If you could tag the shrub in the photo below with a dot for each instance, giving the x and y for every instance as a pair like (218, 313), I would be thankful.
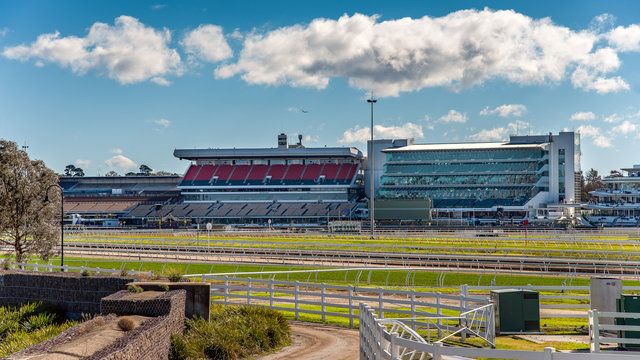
(86, 272)
(174, 274)
(178, 349)
(6, 265)
(164, 287)
(234, 332)
(135, 289)
(126, 324)
(124, 272)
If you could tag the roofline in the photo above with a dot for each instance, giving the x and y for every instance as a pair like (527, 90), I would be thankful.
(261, 153)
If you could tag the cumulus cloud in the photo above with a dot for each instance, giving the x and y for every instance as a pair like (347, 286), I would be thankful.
(613, 118)
(162, 122)
(4, 31)
(461, 49)
(596, 136)
(207, 43)
(582, 116)
(625, 38)
(116, 151)
(625, 128)
(120, 162)
(363, 134)
(499, 133)
(505, 110)
(128, 51)
(454, 116)
(82, 163)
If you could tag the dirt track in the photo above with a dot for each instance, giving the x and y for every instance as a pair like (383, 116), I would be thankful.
(318, 342)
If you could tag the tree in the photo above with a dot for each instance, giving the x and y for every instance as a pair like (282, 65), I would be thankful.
(71, 170)
(593, 182)
(615, 174)
(145, 170)
(30, 226)
(111, 173)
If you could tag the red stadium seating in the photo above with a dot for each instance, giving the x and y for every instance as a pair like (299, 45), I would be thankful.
(204, 175)
(330, 171)
(276, 172)
(311, 173)
(239, 174)
(257, 174)
(293, 174)
(190, 175)
(223, 173)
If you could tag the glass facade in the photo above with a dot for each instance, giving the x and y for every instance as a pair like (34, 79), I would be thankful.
(466, 178)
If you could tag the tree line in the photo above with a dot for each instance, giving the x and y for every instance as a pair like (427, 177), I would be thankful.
(144, 170)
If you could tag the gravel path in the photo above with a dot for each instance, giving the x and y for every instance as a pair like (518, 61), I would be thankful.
(318, 342)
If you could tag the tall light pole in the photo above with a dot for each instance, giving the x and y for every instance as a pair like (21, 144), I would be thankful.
(371, 171)
(46, 201)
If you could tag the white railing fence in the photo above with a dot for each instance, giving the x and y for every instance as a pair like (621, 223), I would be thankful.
(66, 268)
(442, 313)
(378, 342)
(596, 338)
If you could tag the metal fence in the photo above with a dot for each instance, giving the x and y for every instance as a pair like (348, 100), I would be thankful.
(380, 341)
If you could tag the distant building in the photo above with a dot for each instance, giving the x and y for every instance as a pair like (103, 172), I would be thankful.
(619, 203)
(525, 176)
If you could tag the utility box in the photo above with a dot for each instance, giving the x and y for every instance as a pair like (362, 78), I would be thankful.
(516, 311)
(628, 304)
(603, 293)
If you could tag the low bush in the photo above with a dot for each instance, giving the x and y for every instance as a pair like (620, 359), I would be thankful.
(232, 333)
(163, 287)
(86, 272)
(126, 324)
(174, 274)
(135, 289)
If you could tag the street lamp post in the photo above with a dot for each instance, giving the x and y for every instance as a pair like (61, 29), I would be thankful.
(371, 171)
(46, 201)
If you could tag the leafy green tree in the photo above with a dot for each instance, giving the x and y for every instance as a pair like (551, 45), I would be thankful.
(615, 173)
(30, 227)
(593, 182)
(111, 173)
(69, 169)
(145, 170)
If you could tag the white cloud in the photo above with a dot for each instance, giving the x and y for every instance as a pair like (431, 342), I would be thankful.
(116, 151)
(461, 49)
(158, 6)
(128, 51)
(207, 43)
(162, 122)
(613, 118)
(82, 163)
(500, 133)
(120, 162)
(582, 116)
(160, 81)
(505, 110)
(358, 134)
(311, 139)
(4, 31)
(625, 128)
(625, 38)
(595, 135)
(454, 116)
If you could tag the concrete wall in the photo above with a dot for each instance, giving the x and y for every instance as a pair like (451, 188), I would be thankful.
(75, 293)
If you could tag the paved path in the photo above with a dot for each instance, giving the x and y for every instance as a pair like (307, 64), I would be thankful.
(318, 342)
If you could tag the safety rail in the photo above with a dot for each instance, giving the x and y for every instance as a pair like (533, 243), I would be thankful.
(341, 301)
(377, 342)
(596, 339)
(66, 268)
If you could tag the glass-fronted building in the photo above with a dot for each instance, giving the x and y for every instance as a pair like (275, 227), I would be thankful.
(521, 176)
(618, 204)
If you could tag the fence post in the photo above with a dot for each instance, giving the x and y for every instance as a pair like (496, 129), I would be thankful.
(380, 303)
(548, 353)
(464, 291)
(271, 293)
(351, 305)
(439, 312)
(249, 291)
(322, 306)
(437, 351)
(594, 331)
(226, 290)
(413, 309)
(393, 349)
(297, 306)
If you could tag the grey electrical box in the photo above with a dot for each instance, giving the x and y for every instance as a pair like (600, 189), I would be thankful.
(603, 293)
(516, 311)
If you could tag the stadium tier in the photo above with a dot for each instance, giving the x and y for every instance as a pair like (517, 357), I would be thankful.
(284, 174)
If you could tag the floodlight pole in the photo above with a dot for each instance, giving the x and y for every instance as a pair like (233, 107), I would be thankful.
(371, 171)
(46, 201)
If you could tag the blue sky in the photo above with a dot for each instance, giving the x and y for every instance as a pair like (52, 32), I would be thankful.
(111, 85)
